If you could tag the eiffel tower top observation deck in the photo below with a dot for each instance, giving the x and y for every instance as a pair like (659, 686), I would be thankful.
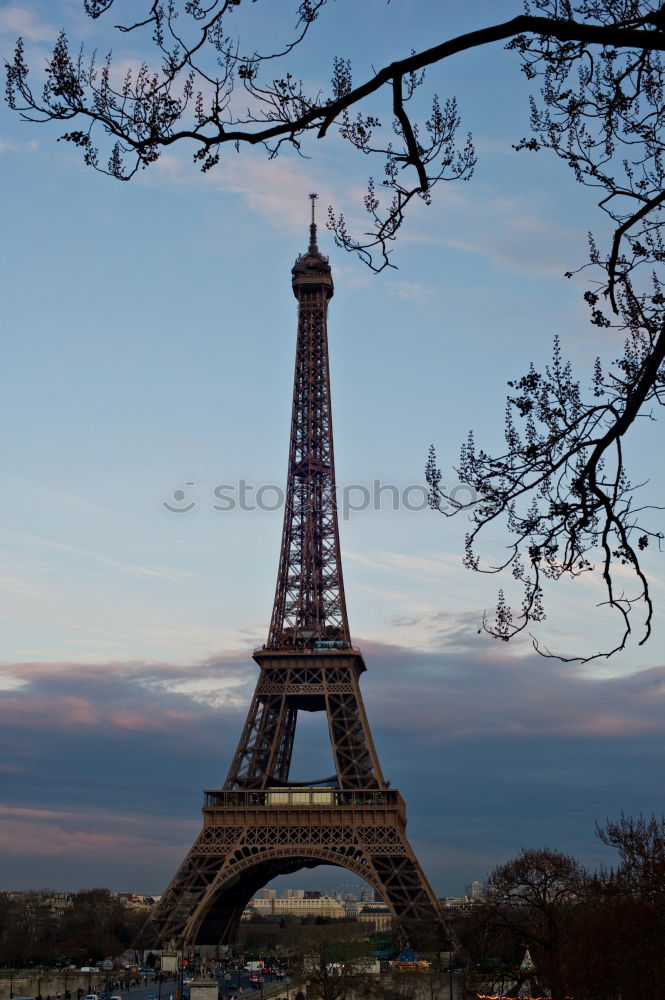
(310, 610)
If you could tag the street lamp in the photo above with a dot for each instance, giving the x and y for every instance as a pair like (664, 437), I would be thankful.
(107, 967)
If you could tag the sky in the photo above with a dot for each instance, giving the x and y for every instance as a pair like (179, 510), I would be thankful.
(148, 332)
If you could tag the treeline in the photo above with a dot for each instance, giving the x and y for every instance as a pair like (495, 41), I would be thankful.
(94, 926)
(591, 936)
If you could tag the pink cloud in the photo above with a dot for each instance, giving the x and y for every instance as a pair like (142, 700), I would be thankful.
(19, 838)
(464, 694)
(49, 833)
(65, 711)
(31, 813)
(134, 721)
(613, 725)
(154, 719)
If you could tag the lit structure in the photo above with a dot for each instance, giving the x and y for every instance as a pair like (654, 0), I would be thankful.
(526, 986)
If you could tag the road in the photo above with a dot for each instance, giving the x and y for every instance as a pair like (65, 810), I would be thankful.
(239, 979)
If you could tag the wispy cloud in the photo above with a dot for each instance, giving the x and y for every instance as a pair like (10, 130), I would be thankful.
(21, 21)
(412, 291)
(11, 146)
(274, 189)
(19, 539)
(11, 683)
(516, 233)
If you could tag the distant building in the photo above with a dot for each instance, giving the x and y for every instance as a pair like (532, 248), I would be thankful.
(297, 906)
(474, 890)
(376, 916)
(134, 901)
(454, 902)
(58, 902)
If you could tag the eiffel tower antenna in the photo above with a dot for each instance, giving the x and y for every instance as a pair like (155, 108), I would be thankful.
(261, 823)
(313, 248)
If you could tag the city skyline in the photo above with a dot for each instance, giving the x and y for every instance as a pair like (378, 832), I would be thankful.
(151, 330)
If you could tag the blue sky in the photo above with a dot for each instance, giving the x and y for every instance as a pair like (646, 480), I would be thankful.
(149, 332)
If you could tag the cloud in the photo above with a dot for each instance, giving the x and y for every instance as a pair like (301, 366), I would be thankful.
(481, 740)
(20, 21)
(516, 233)
(10, 146)
(412, 291)
(410, 566)
(274, 189)
(521, 695)
(18, 539)
(50, 833)
(10, 683)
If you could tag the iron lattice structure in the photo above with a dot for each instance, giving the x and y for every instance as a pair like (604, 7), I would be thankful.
(261, 824)
(309, 604)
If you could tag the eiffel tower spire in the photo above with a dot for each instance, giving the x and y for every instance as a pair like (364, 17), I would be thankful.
(309, 607)
(261, 823)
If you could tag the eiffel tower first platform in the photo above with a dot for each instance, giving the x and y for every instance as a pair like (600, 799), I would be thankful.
(260, 824)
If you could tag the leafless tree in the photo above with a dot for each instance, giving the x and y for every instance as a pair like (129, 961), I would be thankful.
(532, 900)
(545, 899)
(335, 966)
(640, 842)
(560, 488)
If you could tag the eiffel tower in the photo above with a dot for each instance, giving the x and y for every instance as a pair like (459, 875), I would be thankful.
(261, 824)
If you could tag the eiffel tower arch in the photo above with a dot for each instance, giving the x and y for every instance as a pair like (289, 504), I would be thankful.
(261, 824)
